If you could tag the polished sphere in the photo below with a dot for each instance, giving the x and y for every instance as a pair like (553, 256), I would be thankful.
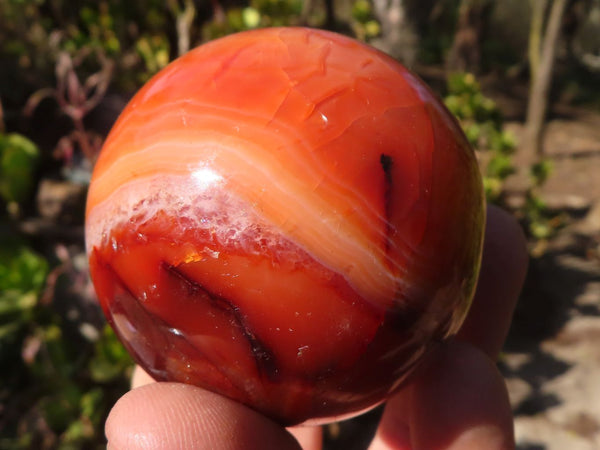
(289, 218)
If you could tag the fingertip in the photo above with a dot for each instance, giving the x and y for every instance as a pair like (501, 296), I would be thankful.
(309, 437)
(140, 378)
(172, 415)
(503, 270)
(459, 402)
(462, 403)
(506, 235)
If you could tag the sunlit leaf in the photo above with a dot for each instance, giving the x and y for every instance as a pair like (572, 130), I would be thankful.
(18, 161)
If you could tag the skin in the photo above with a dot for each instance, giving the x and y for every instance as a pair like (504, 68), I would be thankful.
(457, 400)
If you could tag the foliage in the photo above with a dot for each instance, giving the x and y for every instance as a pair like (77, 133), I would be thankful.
(482, 123)
(540, 223)
(18, 160)
(269, 13)
(133, 35)
(364, 24)
(256, 14)
(66, 380)
(62, 379)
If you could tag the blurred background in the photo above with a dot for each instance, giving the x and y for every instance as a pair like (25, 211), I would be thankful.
(523, 78)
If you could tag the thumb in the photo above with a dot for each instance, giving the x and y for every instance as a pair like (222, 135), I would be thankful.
(179, 416)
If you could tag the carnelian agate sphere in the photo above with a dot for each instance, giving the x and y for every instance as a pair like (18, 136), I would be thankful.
(287, 217)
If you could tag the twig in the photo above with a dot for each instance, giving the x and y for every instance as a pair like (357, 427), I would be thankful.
(76, 99)
(184, 18)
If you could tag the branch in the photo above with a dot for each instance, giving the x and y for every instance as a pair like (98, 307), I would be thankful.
(184, 19)
(591, 62)
(540, 84)
(36, 98)
(538, 12)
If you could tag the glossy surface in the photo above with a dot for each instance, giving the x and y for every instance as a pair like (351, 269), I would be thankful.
(287, 217)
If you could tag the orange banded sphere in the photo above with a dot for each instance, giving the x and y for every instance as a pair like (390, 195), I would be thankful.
(287, 217)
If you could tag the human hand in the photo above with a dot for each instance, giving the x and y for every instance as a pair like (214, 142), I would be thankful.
(457, 400)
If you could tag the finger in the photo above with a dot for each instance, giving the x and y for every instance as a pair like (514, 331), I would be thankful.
(309, 438)
(502, 274)
(178, 416)
(140, 378)
(458, 403)
(503, 270)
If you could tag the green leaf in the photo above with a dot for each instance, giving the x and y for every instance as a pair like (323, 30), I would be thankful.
(362, 11)
(18, 161)
(502, 142)
(453, 104)
(473, 132)
(154, 50)
(235, 19)
(62, 408)
(8, 329)
(21, 269)
(251, 17)
(540, 230)
(13, 301)
(91, 402)
(500, 166)
(535, 204)
(372, 28)
(493, 188)
(541, 171)
(110, 360)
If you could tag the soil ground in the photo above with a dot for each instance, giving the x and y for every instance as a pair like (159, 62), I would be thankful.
(552, 357)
